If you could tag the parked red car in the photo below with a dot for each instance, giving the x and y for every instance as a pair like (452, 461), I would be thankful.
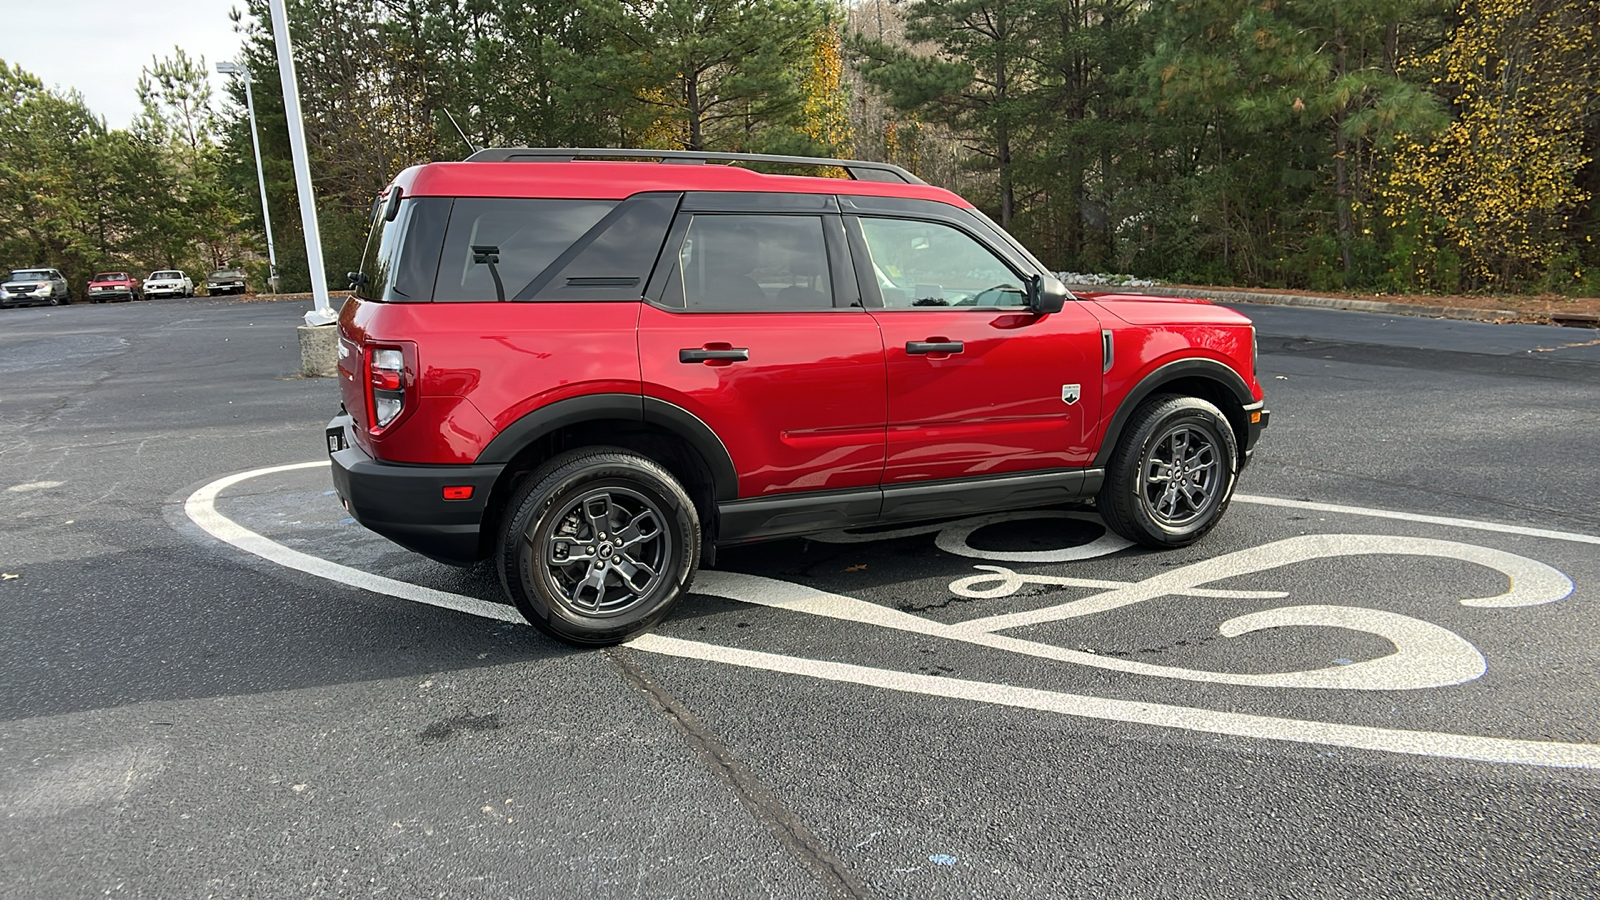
(113, 286)
(595, 372)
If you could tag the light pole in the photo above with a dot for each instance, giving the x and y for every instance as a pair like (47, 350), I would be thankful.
(323, 313)
(229, 68)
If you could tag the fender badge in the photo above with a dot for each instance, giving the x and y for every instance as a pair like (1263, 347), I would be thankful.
(1069, 393)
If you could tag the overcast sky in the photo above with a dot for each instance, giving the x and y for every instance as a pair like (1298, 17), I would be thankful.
(100, 46)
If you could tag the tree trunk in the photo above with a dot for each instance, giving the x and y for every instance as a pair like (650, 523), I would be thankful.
(691, 103)
(1341, 175)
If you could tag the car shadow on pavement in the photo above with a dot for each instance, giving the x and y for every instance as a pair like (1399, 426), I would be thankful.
(152, 625)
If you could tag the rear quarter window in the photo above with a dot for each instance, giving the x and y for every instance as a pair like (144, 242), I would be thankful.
(495, 248)
(402, 255)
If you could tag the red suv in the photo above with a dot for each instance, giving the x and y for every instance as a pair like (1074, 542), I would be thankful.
(595, 370)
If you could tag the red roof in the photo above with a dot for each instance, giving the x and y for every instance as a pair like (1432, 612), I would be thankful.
(599, 180)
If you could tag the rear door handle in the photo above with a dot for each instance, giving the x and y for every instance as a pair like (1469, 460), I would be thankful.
(921, 347)
(701, 355)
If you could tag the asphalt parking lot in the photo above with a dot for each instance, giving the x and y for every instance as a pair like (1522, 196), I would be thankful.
(1378, 675)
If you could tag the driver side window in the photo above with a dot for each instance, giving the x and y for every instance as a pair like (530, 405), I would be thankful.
(929, 264)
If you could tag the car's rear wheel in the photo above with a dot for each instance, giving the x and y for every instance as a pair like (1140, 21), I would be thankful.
(1171, 475)
(598, 546)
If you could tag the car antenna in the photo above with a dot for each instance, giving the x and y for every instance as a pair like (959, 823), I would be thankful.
(470, 145)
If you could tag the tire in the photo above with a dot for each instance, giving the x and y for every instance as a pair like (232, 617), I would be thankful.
(1142, 500)
(580, 507)
(54, 300)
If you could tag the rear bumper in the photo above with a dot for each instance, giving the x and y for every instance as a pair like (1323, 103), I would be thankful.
(406, 504)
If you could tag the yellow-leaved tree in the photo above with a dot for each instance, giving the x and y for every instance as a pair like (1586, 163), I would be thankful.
(826, 104)
(1486, 201)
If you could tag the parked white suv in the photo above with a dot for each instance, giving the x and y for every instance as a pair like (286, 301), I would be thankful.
(168, 283)
(30, 286)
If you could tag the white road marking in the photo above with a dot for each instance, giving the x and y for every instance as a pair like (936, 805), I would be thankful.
(1472, 524)
(1532, 582)
(201, 509)
(33, 486)
(1362, 737)
(1425, 655)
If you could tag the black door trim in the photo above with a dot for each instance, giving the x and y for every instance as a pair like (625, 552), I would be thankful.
(796, 514)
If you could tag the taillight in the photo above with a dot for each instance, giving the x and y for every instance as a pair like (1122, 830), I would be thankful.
(386, 386)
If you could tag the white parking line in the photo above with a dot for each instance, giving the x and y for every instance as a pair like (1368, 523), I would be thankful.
(1418, 517)
(201, 509)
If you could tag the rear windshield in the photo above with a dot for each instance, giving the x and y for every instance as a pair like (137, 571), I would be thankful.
(30, 275)
(496, 247)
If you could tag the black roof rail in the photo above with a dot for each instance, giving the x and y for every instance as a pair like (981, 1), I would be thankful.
(857, 169)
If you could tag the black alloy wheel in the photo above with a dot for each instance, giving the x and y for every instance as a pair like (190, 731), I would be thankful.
(598, 546)
(1172, 474)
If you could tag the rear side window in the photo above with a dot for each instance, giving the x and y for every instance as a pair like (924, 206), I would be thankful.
(496, 247)
(739, 262)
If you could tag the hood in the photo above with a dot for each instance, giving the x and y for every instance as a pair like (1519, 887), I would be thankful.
(1109, 297)
(1138, 309)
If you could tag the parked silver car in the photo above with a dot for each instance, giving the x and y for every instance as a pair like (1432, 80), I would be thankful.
(31, 286)
(168, 283)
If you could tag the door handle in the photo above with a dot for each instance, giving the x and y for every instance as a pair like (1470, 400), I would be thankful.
(705, 355)
(921, 347)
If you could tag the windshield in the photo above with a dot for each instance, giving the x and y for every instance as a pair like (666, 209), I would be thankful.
(30, 275)
(227, 273)
(155, 275)
(112, 276)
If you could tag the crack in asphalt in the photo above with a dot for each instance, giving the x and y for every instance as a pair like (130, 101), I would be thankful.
(765, 807)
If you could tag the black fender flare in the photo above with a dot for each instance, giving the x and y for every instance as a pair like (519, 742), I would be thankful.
(1207, 369)
(631, 407)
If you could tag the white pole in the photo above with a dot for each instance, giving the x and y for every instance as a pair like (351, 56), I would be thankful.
(323, 314)
(261, 180)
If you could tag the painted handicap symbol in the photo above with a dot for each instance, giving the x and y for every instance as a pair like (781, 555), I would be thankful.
(1425, 655)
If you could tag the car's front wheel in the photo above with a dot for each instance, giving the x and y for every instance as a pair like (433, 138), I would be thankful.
(1171, 475)
(598, 545)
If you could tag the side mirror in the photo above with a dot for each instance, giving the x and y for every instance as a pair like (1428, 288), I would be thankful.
(357, 279)
(391, 207)
(1046, 294)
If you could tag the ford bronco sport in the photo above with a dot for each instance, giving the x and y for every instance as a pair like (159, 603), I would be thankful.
(595, 369)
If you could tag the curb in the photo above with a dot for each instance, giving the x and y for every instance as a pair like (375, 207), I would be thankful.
(1304, 300)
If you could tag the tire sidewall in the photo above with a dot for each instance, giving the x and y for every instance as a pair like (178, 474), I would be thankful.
(548, 493)
(1165, 414)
